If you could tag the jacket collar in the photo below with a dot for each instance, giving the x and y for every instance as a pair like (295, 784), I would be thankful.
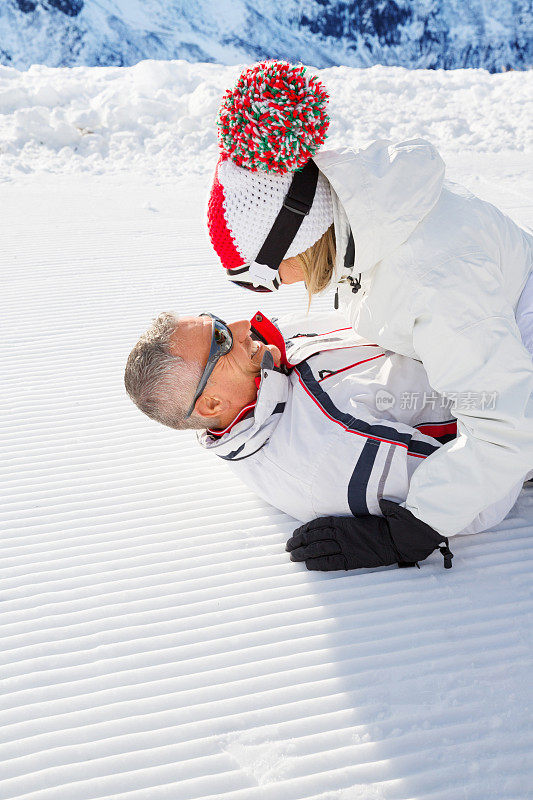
(255, 423)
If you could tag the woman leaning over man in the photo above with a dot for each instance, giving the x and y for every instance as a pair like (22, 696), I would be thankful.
(420, 266)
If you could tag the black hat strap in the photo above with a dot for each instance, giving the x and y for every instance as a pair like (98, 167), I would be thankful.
(295, 208)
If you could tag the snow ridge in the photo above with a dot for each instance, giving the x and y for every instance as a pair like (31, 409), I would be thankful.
(160, 116)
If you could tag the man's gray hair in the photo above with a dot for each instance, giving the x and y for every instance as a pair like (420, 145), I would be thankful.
(162, 385)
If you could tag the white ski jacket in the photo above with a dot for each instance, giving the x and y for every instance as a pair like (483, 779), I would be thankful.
(349, 424)
(441, 274)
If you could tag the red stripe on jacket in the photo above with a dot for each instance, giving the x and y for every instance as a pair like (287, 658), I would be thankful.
(437, 429)
(349, 430)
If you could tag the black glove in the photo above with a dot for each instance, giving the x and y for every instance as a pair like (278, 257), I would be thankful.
(330, 543)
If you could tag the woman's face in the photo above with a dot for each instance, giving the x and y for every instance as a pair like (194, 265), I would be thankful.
(290, 270)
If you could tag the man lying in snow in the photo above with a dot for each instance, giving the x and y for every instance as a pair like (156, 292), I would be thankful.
(315, 419)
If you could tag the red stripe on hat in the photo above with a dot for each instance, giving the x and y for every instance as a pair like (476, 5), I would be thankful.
(219, 232)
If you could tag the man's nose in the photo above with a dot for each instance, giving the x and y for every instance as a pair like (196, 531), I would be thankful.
(240, 329)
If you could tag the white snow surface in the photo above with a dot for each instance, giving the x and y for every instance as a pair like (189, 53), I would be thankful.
(156, 641)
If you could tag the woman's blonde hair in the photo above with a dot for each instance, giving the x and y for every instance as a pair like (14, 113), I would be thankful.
(318, 262)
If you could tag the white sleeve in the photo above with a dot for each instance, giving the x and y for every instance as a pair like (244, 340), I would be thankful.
(483, 364)
(495, 513)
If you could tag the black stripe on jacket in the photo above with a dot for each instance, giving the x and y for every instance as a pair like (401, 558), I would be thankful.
(387, 432)
(362, 472)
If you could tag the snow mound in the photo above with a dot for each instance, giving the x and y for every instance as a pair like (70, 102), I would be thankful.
(160, 116)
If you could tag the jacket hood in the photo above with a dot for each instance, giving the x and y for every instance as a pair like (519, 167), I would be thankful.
(385, 190)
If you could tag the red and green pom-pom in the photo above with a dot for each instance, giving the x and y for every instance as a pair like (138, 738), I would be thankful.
(274, 119)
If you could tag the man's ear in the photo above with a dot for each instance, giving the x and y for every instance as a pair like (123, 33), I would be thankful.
(210, 406)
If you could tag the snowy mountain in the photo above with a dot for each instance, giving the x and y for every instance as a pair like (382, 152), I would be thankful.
(412, 33)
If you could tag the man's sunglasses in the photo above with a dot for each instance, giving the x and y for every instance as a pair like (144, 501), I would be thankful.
(221, 343)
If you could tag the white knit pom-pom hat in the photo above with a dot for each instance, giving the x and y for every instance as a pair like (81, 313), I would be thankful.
(270, 124)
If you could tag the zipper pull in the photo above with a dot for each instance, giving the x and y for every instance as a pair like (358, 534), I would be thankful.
(355, 283)
(336, 300)
(448, 555)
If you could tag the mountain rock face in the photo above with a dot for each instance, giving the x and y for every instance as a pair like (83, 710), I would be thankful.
(69, 7)
(430, 34)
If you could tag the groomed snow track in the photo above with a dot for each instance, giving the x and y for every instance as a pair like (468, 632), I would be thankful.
(156, 642)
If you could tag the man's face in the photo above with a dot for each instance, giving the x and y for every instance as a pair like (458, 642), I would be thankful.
(233, 378)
